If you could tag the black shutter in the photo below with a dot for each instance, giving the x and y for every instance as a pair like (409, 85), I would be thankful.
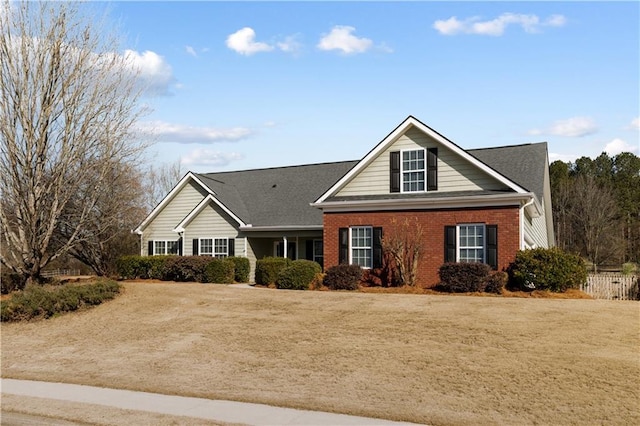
(449, 243)
(180, 246)
(150, 248)
(343, 245)
(195, 247)
(232, 246)
(308, 249)
(432, 169)
(377, 247)
(394, 167)
(492, 246)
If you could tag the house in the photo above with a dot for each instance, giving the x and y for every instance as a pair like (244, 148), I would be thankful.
(477, 205)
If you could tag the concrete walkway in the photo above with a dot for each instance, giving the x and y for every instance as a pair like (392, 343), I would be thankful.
(215, 410)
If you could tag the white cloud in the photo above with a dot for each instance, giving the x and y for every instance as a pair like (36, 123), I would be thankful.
(243, 42)
(154, 73)
(617, 146)
(497, 26)
(635, 123)
(341, 38)
(571, 127)
(178, 133)
(563, 157)
(290, 44)
(207, 157)
(191, 51)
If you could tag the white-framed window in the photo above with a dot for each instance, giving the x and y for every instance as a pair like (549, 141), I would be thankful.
(361, 253)
(161, 247)
(216, 247)
(471, 243)
(414, 170)
(318, 252)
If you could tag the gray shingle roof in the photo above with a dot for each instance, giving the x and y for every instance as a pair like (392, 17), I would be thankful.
(280, 196)
(522, 164)
(276, 196)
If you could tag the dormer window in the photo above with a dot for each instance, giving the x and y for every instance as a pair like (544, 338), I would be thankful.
(414, 170)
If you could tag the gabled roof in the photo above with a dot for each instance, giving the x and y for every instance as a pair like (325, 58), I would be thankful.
(399, 131)
(275, 197)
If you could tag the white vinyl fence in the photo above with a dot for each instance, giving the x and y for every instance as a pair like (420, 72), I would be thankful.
(611, 286)
(57, 272)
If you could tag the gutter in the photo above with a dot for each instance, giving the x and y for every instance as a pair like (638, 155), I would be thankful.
(251, 228)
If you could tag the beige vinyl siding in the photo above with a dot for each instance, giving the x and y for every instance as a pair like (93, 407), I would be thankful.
(454, 172)
(212, 222)
(536, 229)
(161, 227)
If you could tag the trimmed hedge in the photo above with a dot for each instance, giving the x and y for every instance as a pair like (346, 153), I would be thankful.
(268, 269)
(464, 277)
(298, 275)
(241, 267)
(41, 302)
(547, 269)
(343, 277)
(496, 281)
(219, 271)
(185, 268)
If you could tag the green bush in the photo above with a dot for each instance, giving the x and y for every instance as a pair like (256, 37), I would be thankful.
(10, 281)
(268, 269)
(128, 267)
(547, 269)
(343, 277)
(463, 277)
(44, 302)
(219, 271)
(298, 275)
(496, 281)
(241, 267)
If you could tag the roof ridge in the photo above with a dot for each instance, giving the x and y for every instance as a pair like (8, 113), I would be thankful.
(507, 146)
(206, 174)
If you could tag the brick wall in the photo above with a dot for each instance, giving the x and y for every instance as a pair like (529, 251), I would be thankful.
(433, 223)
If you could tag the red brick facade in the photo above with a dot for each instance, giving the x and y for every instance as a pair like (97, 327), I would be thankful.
(433, 223)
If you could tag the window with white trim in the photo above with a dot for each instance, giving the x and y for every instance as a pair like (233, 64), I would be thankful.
(361, 246)
(471, 243)
(413, 170)
(165, 247)
(216, 247)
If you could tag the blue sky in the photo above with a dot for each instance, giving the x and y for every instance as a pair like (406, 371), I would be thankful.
(240, 85)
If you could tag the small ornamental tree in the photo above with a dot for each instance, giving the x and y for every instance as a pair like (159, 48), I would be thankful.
(404, 241)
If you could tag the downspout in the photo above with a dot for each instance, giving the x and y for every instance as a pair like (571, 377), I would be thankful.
(141, 243)
(527, 204)
(284, 249)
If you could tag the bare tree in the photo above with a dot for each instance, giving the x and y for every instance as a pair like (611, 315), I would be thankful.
(68, 103)
(405, 243)
(594, 213)
(159, 181)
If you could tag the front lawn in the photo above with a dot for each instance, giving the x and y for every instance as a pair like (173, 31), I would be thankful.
(423, 358)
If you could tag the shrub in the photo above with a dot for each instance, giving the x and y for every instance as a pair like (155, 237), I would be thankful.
(185, 268)
(464, 277)
(298, 275)
(343, 277)
(241, 267)
(547, 269)
(268, 269)
(154, 266)
(128, 267)
(41, 302)
(11, 281)
(219, 271)
(496, 281)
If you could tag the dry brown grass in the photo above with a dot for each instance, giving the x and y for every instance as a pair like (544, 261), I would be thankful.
(424, 358)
